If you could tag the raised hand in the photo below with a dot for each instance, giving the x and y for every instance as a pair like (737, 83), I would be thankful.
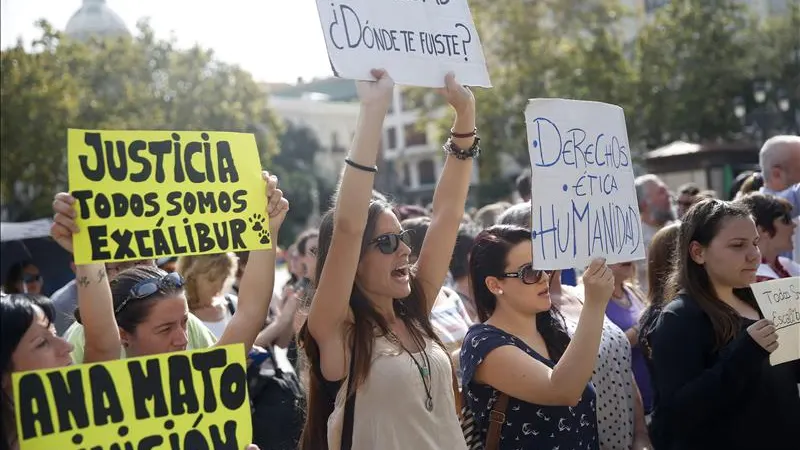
(277, 205)
(64, 225)
(598, 283)
(376, 93)
(458, 96)
(765, 334)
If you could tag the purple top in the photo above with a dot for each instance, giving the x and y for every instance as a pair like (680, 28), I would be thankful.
(625, 318)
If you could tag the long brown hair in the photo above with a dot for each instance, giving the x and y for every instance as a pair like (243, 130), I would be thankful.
(661, 256)
(412, 310)
(660, 262)
(701, 224)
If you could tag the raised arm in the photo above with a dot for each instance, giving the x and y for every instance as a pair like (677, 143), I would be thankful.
(450, 195)
(512, 371)
(255, 289)
(330, 306)
(95, 303)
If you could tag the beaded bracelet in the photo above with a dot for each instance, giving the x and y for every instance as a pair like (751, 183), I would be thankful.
(472, 152)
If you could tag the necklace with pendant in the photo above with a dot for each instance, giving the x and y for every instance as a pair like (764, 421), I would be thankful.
(423, 366)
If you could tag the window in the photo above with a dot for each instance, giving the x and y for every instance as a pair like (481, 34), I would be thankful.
(427, 172)
(412, 100)
(391, 138)
(406, 174)
(414, 136)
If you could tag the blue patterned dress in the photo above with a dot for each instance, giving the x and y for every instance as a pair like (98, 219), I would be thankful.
(528, 425)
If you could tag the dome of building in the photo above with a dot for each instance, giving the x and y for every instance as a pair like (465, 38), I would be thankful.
(95, 18)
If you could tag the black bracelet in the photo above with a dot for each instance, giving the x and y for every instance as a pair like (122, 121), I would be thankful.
(463, 135)
(355, 165)
(452, 149)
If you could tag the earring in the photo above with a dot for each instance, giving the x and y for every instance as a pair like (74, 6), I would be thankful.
(499, 292)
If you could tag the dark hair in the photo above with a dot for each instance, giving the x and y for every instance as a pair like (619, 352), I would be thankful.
(418, 228)
(405, 212)
(14, 276)
(302, 240)
(753, 183)
(488, 259)
(411, 310)
(660, 262)
(459, 264)
(17, 313)
(524, 184)
(701, 224)
(737, 183)
(689, 189)
(137, 310)
(765, 209)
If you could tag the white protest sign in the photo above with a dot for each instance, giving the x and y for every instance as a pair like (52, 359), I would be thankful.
(416, 41)
(779, 301)
(583, 199)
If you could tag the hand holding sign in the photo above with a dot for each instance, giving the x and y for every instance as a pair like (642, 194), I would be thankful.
(598, 283)
(64, 225)
(458, 96)
(765, 334)
(277, 205)
(376, 93)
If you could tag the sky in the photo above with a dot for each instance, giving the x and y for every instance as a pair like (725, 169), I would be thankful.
(275, 40)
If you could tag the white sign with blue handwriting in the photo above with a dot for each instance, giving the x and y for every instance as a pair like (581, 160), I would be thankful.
(583, 201)
(417, 41)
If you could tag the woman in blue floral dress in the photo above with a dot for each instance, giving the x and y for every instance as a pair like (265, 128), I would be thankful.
(522, 349)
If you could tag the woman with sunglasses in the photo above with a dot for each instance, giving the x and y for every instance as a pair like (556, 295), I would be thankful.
(146, 309)
(23, 278)
(368, 332)
(519, 365)
(775, 235)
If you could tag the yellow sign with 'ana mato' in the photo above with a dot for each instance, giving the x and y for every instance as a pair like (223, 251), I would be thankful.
(148, 194)
(185, 400)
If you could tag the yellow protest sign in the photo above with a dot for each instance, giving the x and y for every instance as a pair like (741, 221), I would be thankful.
(185, 400)
(147, 194)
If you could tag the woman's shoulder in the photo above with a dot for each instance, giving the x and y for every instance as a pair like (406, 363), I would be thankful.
(683, 305)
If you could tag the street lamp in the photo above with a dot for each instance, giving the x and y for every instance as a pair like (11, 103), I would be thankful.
(770, 111)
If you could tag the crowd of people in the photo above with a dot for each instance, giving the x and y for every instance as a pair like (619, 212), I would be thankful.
(404, 327)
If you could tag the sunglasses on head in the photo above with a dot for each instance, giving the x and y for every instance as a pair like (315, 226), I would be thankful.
(528, 275)
(388, 243)
(31, 278)
(146, 288)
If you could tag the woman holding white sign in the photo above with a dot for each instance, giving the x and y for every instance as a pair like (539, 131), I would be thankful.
(714, 385)
(380, 377)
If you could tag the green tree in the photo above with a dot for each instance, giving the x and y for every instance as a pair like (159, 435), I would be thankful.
(138, 83)
(693, 60)
(542, 48)
(308, 192)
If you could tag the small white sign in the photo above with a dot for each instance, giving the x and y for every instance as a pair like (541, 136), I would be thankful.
(779, 301)
(417, 41)
(583, 201)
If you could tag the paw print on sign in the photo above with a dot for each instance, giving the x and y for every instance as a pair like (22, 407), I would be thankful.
(257, 222)
(263, 237)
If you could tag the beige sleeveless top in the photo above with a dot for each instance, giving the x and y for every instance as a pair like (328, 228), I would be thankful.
(390, 411)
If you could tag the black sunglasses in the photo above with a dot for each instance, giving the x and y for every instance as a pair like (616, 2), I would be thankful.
(528, 275)
(31, 278)
(146, 288)
(388, 243)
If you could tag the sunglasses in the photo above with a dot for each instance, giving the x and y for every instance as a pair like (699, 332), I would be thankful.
(31, 278)
(388, 243)
(146, 288)
(528, 275)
